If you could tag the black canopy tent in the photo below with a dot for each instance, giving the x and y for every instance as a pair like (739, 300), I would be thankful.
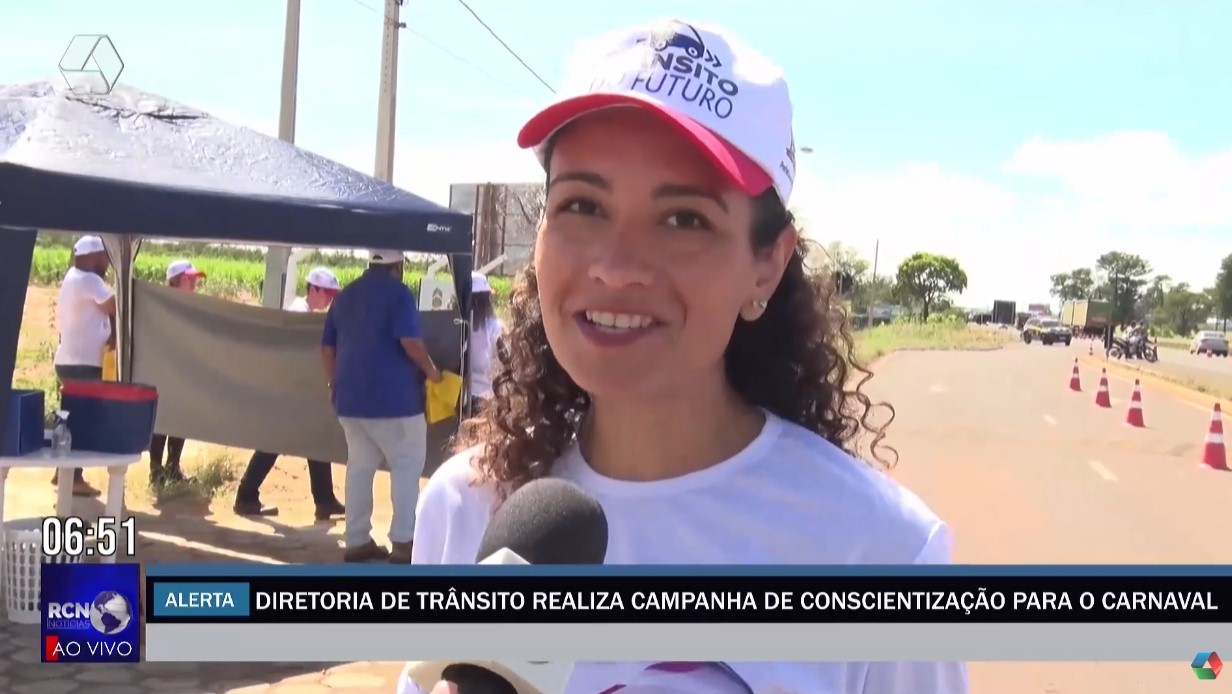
(132, 165)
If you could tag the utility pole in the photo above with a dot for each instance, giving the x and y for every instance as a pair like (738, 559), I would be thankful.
(387, 102)
(278, 257)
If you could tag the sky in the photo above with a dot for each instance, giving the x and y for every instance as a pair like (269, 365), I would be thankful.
(1022, 137)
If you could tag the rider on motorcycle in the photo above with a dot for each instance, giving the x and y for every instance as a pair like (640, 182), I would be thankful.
(1135, 336)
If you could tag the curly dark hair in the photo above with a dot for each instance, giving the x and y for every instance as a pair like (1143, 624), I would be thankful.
(796, 360)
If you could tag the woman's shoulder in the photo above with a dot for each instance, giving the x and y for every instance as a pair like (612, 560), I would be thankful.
(453, 512)
(855, 493)
(458, 480)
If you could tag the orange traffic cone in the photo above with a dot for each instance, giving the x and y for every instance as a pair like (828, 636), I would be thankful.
(1074, 384)
(1101, 398)
(1134, 417)
(1214, 455)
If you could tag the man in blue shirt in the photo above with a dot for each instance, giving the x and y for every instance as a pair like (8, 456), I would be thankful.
(375, 364)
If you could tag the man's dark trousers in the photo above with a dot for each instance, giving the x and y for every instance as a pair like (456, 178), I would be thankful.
(72, 372)
(320, 479)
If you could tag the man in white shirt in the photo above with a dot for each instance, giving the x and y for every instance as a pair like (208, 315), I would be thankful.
(85, 316)
(323, 286)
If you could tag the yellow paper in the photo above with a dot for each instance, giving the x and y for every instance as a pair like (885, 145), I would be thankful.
(109, 364)
(443, 397)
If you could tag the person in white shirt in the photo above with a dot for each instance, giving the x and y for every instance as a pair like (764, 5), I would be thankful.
(323, 286)
(668, 351)
(85, 316)
(485, 329)
(184, 276)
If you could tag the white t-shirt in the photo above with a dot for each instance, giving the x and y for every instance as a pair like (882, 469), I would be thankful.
(790, 497)
(84, 325)
(300, 304)
(483, 356)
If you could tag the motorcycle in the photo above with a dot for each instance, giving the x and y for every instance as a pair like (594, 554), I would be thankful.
(1148, 348)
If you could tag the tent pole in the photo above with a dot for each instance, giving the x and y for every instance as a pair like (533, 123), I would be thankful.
(15, 265)
(277, 257)
(388, 99)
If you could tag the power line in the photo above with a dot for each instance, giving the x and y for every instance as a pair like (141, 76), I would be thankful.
(439, 47)
(509, 50)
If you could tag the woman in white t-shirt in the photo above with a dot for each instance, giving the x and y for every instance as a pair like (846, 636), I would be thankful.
(668, 351)
(485, 329)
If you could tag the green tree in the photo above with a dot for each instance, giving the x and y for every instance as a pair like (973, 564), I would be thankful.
(1153, 295)
(1221, 293)
(1073, 285)
(1183, 309)
(925, 278)
(1125, 274)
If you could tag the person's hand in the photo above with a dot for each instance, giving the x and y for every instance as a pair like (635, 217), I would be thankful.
(435, 376)
(111, 341)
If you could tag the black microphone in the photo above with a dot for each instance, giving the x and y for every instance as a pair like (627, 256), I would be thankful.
(547, 521)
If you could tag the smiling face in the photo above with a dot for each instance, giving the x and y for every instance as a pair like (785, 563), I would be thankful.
(644, 259)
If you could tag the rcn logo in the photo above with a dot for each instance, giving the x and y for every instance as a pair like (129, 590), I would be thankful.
(684, 38)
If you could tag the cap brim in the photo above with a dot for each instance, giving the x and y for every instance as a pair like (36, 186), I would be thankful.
(733, 163)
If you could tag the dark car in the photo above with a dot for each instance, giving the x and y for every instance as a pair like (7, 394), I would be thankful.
(1047, 331)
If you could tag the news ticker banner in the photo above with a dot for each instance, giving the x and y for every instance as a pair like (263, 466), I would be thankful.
(218, 612)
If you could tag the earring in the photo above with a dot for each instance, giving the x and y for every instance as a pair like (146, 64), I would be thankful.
(759, 304)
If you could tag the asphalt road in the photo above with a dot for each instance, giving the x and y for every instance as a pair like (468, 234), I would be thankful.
(1027, 472)
(1215, 371)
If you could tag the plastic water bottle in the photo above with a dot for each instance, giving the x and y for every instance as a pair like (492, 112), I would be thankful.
(61, 439)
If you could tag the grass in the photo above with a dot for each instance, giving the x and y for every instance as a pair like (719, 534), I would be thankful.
(227, 276)
(214, 477)
(877, 342)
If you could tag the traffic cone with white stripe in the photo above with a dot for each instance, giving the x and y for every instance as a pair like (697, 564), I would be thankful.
(1101, 398)
(1134, 417)
(1214, 455)
(1074, 384)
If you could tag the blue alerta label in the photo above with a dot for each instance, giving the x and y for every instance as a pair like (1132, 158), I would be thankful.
(91, 613)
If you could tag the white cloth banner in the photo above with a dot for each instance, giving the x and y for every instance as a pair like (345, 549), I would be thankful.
(233, 374)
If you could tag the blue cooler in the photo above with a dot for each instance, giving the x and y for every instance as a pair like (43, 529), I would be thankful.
(23, 432)
(109, 417)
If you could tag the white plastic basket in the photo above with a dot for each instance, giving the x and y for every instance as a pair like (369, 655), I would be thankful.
(22, 558)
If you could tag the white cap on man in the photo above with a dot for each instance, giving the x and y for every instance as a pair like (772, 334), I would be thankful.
(382, 256)
(178, 268)
(730, 100)
(88, 245)
(323, 278)
(479, 283)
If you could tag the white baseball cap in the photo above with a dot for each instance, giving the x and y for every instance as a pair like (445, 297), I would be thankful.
(730, 100)
(526, 677)
(323, 278)
(479, 283)
(385, 257)
(182, 267)
(87, 245)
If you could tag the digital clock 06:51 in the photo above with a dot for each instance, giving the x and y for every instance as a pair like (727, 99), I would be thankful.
(75, 537)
